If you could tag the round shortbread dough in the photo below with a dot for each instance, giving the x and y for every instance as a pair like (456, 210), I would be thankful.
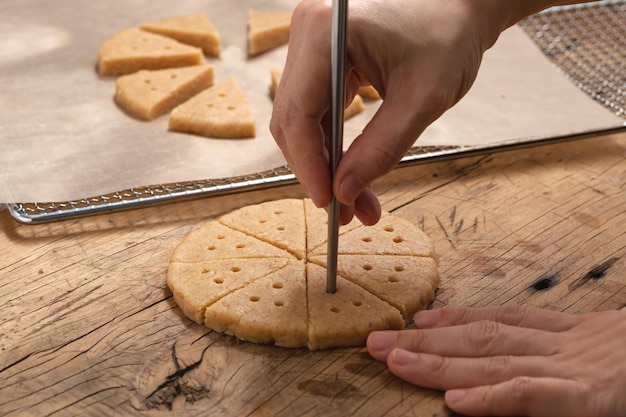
(259, 274)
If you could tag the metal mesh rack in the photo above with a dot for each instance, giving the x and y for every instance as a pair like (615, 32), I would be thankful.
(588, 44)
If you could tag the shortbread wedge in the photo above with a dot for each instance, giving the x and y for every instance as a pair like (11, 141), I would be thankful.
(369, 92)
(132, 49)
(148, 94)
(222, 111)
(195, 29)
(346, 317)
(214, 241)
(271, 309)
(280, 223)
(406, 282)
(316, 220)
(267, 30)
(198, 285)
(392, 235)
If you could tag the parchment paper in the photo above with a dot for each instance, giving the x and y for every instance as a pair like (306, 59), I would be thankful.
(62, 137)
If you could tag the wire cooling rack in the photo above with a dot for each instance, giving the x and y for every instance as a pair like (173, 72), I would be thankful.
(587, 44)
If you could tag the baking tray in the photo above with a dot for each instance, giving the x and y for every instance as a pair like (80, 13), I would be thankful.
(586, 43)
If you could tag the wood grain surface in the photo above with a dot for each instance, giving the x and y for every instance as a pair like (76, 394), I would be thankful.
(89, 327)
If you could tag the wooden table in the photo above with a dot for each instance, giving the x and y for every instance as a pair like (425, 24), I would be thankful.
(89, 327)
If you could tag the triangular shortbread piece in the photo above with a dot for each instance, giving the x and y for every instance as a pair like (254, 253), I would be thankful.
(316, 220)
(271, 309)
(406, 282)
(346, 317)
(221, 111)
(369, 92)
(280, 223)
(275, 75)
(132, 49)
(195, 29)
(198, 285)
(214, 241)
(392, 235)
(149, 94)
(267, 30)
(355, 107)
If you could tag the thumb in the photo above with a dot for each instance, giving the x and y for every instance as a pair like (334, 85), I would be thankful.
(384, 141)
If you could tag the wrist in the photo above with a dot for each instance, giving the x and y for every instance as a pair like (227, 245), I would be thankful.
(495, 16)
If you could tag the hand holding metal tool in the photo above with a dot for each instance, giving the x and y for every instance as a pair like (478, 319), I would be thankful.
(338, 61)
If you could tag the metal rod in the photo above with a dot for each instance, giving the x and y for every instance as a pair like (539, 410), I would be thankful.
(338, 59)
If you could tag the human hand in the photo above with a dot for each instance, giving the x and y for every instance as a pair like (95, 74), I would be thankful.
(421, 56)
(511, 361)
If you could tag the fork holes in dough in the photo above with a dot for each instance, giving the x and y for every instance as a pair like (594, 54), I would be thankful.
(368, 267)
(221, 237)
(218, 280)
(211, 247)
(281, 228)
(398, 268)
(279, 303)
(334, 309)
(254, 298)
(367, 239)
(398, 239)
(235, 269)
(357, 303)
(389, 229)
(393, 278)
(277, 285)
(240, 246)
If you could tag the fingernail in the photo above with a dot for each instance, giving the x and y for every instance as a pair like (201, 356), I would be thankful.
(350, 188)
(403, 357)
(381, 341)
(426, 318)
(455, 395)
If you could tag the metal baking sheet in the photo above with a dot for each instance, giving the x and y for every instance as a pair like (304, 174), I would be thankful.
(564, 42)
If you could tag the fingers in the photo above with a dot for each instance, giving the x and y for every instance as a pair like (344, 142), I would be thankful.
(527, 396)
(383, 143)
(510, 315)
(367, 207)
(476, 339)
(442, 372)
(300, 103)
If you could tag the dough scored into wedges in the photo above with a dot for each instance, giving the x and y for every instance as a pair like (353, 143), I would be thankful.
(259, 274)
